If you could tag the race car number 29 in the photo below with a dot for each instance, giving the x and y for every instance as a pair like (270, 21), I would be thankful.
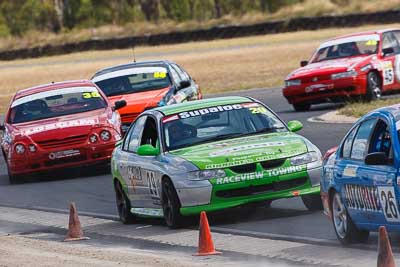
(389, 203)
(152, 183)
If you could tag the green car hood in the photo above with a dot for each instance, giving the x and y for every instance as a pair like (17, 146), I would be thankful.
(243, 150)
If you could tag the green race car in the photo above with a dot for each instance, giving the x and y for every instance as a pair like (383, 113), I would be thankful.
(209, 155)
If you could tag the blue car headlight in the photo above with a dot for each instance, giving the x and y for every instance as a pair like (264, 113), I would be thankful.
(206, 174)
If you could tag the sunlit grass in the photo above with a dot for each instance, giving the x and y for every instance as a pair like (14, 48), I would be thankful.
(220, 65)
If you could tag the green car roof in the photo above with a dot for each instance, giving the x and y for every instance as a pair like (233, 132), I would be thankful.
(204, 103)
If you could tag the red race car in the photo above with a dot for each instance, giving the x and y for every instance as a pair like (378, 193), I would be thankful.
(362, 65)
(59, 125)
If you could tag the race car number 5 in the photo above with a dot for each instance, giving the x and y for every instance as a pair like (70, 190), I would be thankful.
(389, 203)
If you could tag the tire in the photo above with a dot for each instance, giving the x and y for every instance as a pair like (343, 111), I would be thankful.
(345, 229)
(14, 179)
(123, 205)
(312, 202)
(374, 87)
(171, 205)
(301, 107)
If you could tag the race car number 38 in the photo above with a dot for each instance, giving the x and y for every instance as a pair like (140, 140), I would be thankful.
(389, 203)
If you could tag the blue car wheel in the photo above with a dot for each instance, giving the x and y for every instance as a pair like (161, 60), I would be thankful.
(345, 229)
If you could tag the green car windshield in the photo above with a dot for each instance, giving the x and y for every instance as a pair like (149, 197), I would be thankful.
(218, 123)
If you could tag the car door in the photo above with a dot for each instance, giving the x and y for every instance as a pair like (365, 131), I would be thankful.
(131, 172)
(349, 167)
(382, 177)
(390, 51)
(147, 187)
(397, 61)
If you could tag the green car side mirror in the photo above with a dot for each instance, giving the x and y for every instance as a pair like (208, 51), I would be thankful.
(148, 150)
(295, 126)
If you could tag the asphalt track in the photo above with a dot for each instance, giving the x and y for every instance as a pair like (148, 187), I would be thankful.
(93, 192)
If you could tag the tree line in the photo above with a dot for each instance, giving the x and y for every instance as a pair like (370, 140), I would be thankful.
(20, 16)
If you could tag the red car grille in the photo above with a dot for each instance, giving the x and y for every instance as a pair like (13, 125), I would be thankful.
(315, 79)
(129, 117)
(73, 140)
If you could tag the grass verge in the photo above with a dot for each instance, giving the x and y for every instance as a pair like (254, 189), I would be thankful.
(306, 8)
(360, 109)
(219, 65)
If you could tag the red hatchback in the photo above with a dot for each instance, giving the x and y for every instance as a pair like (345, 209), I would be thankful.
(362, 65)
(59, 125)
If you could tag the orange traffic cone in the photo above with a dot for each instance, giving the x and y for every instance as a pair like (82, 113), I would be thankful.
(206, 244)
(75, 232)
(385, 255)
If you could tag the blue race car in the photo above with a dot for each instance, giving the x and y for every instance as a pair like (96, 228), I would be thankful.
(360, 183)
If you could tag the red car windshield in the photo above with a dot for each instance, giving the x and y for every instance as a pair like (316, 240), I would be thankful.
(347, 47)
(55, 103)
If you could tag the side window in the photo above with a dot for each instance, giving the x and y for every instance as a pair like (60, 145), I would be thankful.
(347, 144)
(359, 149)
(150, 135)
(181, 72)
(175, 76)
(381, 140)
(396, 34)
(389, 40)
(132, 138)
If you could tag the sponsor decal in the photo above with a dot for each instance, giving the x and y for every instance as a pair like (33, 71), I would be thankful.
(350, 170)
(259, 175)
(134, 176)
(363, 198)
(60, 125)
(388, 75)
(203, 111)
(64, 154)
(246, 160)
(244, 148)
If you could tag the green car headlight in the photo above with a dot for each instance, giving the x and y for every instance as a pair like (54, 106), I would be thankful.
(206, 174)
(305, 158)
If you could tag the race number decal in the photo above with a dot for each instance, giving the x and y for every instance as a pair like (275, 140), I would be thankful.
(258, 110)
(388, 74)
(160, 75)
(389, 203)
(90, 95)
(152, 184)
(397, 67)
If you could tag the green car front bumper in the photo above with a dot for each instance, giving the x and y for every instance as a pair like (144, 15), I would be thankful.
(237, 194)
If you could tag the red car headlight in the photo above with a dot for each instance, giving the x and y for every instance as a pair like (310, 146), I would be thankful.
(105, 135)
(20, 148)
(93, 138)
(32, 148)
